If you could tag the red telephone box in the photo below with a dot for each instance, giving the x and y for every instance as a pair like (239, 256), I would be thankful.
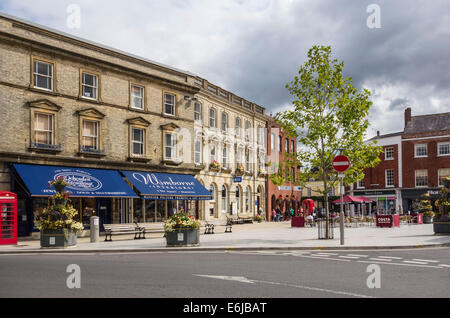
(8, 218)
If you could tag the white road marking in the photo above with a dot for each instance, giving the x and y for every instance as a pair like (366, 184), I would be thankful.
(252, 281)
(444, 265)
(424, 260)
(381, 259)
(357, 255)
(327, 254)
(412, 262)
(350, 257)
(400, 264)
(390, 257)
(327, 258)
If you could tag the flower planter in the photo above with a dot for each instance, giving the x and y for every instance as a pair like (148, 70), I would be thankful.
(298, 221)
(181, 237)
(427, 219)
(59, 188)
(60, 202)
(58, 239)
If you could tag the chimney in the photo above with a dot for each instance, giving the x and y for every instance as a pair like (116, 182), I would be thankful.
(407, 116)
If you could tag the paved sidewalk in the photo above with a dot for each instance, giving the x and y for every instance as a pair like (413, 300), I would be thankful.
(260, 236)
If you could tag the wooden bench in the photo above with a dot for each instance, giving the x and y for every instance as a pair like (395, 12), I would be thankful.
(131, 228)
(150, 228)
(228, 225)
(209, 228)
(245, 219)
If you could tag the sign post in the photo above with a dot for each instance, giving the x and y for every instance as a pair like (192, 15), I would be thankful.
(340, 164)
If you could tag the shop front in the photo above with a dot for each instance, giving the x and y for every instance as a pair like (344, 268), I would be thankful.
(93, 192)
(383, 201)
(412, 198)
(164, 194)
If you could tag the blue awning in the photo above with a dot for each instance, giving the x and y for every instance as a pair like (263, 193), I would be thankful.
(83, 182)
(166, 186)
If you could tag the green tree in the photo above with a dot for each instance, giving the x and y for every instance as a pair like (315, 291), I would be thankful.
(328, 114)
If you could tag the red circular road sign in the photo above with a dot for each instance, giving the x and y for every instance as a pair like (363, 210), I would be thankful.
(341, 163)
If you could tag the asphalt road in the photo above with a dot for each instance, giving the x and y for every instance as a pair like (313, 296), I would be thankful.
(274, 274)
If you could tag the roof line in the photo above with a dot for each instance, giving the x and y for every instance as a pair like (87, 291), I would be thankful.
(105, 47)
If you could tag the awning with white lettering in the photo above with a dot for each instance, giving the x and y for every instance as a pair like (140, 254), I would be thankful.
(167, 186)
(83, 182)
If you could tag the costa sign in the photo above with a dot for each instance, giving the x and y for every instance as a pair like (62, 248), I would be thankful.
(341, 163)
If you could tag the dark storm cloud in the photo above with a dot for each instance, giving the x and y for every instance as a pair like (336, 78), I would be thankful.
(401, 103)
(410, 48)
(254, 47)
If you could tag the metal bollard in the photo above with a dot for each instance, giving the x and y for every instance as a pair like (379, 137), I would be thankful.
(95, 229)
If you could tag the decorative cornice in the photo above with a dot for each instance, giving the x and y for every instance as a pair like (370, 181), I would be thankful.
(44, 104)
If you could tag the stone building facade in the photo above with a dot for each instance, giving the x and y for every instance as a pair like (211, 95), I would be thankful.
(66, 102)
(230, 149)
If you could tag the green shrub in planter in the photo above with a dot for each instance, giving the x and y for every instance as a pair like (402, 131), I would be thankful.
(182, 230)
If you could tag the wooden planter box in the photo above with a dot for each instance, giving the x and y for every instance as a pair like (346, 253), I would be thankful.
(58, 239)
(441, 227)
(183, 238)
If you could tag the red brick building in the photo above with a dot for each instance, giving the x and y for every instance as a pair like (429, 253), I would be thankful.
(413, 163)
(278, 144)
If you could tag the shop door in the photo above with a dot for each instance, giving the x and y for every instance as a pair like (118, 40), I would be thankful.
(23, 219)
(8, 218)
(104, 212)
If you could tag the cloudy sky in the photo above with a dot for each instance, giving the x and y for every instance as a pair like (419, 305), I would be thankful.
(254, 47)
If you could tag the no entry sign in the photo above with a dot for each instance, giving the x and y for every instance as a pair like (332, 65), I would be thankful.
(341, 163)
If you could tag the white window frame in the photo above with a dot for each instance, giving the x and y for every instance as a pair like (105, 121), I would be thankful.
(172, 146)
(386, 178)
(198, 113)
(272, 142)
(439, 176)
(95, 86)
(141, 143)
(198, 152)
(415, 178)
(36, 74)
(96, 136)
(386, 153)
(212, 119)
(224, 122)
(224, 157)
(134, 97)
(248, 128)
(239, 156)
(416, 146)
(48, 132)
(172, 105)
(360, 184)
(238, 127)
(439, 149)
(212, 157)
